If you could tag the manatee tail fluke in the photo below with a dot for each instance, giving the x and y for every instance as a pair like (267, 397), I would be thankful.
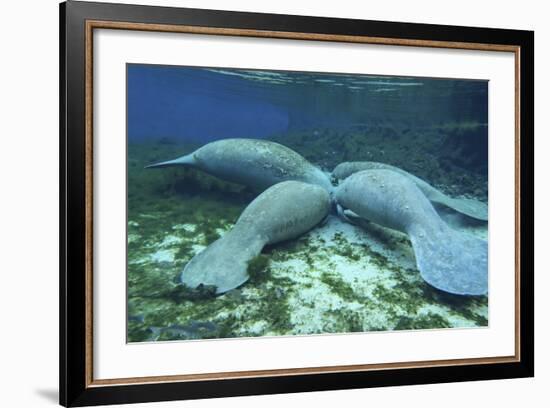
(471, 208)
(450, 260)
(223, 265)
(180, 161)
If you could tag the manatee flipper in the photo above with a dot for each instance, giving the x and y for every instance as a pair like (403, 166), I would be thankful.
(342, 214)
(284, 211)
(350, 217)
(447, 259)
(470, 207)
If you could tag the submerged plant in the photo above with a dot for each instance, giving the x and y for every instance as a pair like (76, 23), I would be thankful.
(258, 268)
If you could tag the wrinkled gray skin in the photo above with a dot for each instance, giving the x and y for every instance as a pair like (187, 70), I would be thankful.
(449, 260)
(284, 211)
(255, 163)
(471, 208)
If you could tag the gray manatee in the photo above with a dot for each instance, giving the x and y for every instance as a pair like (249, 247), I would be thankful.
(284, 211)
(471, 208)
(255, 163)
(448, 259)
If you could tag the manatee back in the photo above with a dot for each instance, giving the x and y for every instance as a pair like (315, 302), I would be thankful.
(286, 210)
(256, 163)
(385, 197)
(469, 207)
(346, 169)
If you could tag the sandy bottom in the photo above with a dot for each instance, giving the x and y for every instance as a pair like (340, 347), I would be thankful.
(338, 278)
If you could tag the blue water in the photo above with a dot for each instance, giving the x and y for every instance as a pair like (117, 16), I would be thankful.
(201, 104)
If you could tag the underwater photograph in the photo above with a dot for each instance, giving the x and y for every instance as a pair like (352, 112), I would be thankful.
(289, 203)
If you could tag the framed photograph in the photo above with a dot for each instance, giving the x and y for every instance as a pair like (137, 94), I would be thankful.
(256, 203)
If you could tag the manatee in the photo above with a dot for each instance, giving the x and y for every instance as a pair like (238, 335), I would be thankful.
(447, 259)
(255, 163)
(283, 211)
(471, 208)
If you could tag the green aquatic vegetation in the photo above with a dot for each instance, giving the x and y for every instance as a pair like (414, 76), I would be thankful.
(147, 281)
(338, 237)
(229, 327)
(308, 258)
(210, 236)
(344, 321)
(478, 319)
(458, 305)
(193, 330)
(185, 252)
(276, 254)
(258, 268)
(344, 248)
(374, 328)
(274, 307)
(418, 150)
(181, 293)
(398, 302)
(427, 321)
(268, 305)
(381, 235)
(289, 247)
(347, 251)
(138, 332)
(378, 259)
(340, 287)
(301, 248)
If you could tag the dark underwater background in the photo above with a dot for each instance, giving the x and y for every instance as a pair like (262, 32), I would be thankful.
(335, 279)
